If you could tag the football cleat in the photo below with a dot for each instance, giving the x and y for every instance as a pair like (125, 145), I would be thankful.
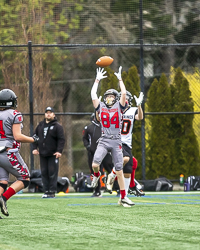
(44, 195)
(110, 182)
(48, 195)
(97, 194)
(126, 202)
(51, 196)
(94, 182)
(3, 206)
(136, 191)
(122, 204)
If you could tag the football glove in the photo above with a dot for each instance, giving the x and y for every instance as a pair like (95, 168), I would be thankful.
(119, 74)
(100, 74)
(35, 138)
(139, 100)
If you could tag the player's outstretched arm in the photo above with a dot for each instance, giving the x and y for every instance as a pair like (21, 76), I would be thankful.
(100, 75)
(19, 137)
(122, 87)
(139, 101)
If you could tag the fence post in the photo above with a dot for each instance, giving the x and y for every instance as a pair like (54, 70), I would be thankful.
(142, 89)
(31, 99)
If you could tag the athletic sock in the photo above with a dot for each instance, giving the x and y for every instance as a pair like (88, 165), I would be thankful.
(8, 193)
(113, 172)
(132, 183)
(127, 183)
(97, 174)
(122, 193)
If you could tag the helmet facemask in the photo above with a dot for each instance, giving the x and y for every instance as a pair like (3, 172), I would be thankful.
(108, 99)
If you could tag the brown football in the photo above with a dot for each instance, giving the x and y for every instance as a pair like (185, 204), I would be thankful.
(104, 61)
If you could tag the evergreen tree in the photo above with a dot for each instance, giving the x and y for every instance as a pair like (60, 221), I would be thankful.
(186, 150)
(159, 147)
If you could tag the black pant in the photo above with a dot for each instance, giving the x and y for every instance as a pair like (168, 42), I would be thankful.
(49, 171)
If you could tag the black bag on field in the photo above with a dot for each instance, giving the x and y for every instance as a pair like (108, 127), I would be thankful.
(160, 184)
(62, 184)
(81, 182)
(36, 185)
(194, 183)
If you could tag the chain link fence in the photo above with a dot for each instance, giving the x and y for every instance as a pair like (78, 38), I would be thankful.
(62, 77)
(58, 69)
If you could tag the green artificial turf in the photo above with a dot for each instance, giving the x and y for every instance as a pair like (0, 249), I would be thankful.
(157, 221)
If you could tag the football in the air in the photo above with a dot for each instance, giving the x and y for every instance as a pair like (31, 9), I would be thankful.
(104, 61)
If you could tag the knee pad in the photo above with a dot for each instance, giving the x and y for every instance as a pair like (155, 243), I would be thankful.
(4, 186)
(135, 162)
(26, 183)
(118, 167)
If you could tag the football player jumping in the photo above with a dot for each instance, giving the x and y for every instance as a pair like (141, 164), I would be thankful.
(130, 114)
(110, 114)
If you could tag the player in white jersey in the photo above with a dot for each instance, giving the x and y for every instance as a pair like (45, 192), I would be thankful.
(130, 114)
(10, 138)
(110, 115)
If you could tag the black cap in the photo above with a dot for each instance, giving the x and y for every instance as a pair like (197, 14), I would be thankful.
(49, 109)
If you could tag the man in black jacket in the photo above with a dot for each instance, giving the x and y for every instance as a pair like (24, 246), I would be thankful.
(50, 145)
(91, 135)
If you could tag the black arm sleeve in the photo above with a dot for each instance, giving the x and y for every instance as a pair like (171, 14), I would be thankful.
(86, 141)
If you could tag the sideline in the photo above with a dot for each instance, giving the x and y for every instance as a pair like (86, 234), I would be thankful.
(107, 194)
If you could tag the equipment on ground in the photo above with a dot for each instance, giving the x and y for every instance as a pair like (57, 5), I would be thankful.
(160, 184)
(192, 183)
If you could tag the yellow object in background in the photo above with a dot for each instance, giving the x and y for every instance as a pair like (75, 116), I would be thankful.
(61, 193)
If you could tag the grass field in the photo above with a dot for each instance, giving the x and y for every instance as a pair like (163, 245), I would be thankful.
(167, 220)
